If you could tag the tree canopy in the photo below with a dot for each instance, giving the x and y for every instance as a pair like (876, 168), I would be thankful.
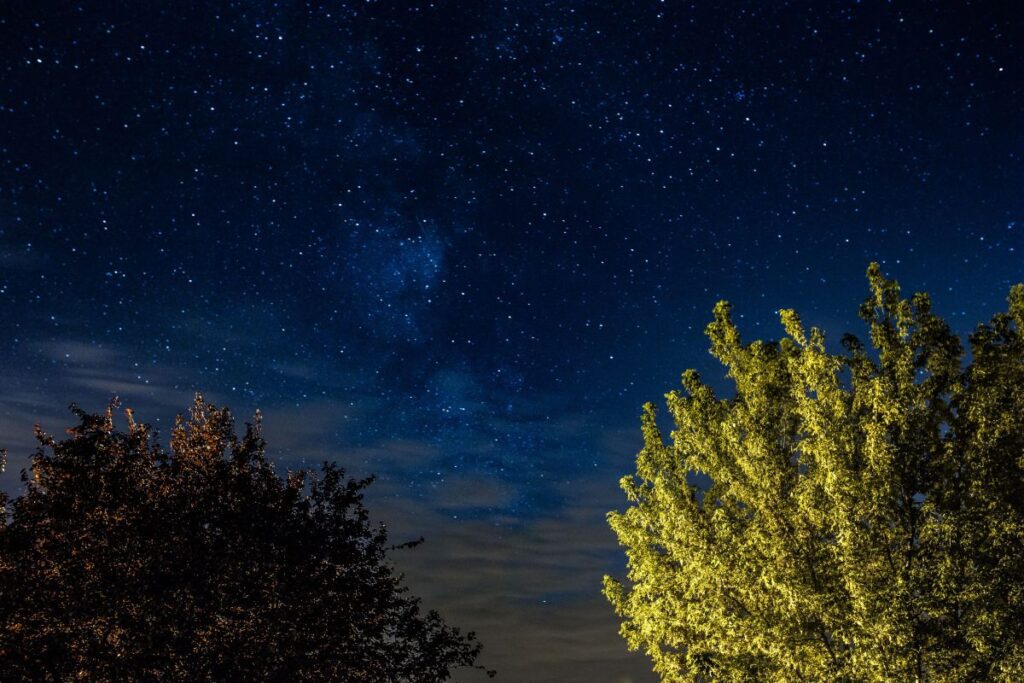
(852, 516)
(124, 561)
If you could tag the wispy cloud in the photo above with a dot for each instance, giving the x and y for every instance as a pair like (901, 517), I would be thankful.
(529, 588)
(525, 577)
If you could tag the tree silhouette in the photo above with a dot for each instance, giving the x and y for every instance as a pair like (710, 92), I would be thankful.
(851, 517)
(123, 561)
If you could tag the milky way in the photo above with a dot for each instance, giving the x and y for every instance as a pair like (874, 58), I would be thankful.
(460, 244)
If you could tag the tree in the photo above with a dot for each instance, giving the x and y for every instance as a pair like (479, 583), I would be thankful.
(122, 561)
(844, 517)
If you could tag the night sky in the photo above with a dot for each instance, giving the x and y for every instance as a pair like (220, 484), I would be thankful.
(460, 244)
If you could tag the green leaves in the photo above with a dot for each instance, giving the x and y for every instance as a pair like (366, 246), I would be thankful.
(864, 520)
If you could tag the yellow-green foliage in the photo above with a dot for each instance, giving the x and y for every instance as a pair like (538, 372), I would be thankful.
(865, 517)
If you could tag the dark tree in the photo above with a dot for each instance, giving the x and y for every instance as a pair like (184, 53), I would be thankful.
(123, 561)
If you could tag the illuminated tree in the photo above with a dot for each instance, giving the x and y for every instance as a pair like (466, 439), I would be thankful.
(122, 561)
(844, 517)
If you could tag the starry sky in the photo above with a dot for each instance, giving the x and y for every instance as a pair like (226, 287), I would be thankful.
(459, 244)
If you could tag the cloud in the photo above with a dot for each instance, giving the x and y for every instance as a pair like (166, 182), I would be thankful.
(512, 553)
(467, 492)
(526, 578)
(90, 375)
(530, 587)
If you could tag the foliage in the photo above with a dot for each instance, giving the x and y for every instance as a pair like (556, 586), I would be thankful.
(864, 519)
(122, 561)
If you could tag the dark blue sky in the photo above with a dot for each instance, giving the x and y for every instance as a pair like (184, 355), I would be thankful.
(460, 244)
